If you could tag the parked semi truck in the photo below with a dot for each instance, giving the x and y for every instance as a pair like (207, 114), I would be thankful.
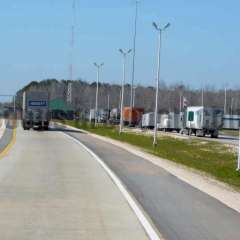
(115, 116)
(132, 116)
(35, 112)
(203, 121)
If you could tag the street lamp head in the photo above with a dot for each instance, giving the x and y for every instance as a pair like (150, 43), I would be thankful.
(97, 65)
(167, 26)
(155, 26)
(121, 51)
(161, 29)
(125, 53)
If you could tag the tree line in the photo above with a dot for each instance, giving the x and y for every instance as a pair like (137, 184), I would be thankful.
(84, 95)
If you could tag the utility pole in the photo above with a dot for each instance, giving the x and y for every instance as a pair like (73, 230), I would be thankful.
(124, 54)
(98, 66)
(69, 93)
(159, 30)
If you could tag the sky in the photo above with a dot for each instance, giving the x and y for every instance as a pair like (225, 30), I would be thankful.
(200, 49)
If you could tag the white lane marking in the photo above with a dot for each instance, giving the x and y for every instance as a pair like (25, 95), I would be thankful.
(143, 220)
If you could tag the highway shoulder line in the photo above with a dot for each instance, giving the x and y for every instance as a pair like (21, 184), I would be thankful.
(149, 229)
(5, 151)
(214, 188)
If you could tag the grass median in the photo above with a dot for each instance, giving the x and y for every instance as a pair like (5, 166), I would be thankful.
(210, 157)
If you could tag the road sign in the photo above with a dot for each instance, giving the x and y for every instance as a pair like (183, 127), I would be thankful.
(37, 103)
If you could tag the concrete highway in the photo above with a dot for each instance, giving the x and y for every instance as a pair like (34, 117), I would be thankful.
(179, 211)
(52, 188)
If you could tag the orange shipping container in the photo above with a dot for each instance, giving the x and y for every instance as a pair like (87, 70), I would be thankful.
(132, 115)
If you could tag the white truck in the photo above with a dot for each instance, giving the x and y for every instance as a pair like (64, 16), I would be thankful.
(203, 121)
(35, 110)
(148, 120)
(115, 116)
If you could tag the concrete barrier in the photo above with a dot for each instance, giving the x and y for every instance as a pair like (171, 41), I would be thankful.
(2, 127)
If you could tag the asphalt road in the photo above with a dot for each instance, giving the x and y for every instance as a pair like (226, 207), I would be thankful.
(224, 139)
(51, 188)
(179, 211)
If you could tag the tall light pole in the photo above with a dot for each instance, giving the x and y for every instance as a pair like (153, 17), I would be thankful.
(180, 103)
(14, 103)
(225, 101)
(134, 95)
(98, 66)
(232, 102)
(160, 31)
(134, 55)
(108, 101)
(124, 54)
(238, 165)
(202, 96)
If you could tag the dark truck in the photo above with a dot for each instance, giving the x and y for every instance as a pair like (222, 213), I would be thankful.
(35, 110)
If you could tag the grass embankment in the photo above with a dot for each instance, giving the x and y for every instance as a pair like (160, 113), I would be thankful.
(210, 157)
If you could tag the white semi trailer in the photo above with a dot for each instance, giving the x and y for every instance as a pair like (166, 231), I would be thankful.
(35, 108)
(148, 120)
(171, 122)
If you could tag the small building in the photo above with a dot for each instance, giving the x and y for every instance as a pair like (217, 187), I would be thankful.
(61, 110)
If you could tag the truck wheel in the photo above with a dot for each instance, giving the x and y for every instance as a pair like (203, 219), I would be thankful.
(24, 127)
(214, 134)
(199, 133)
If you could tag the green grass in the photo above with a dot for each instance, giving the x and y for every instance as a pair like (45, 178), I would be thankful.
(212, 158)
